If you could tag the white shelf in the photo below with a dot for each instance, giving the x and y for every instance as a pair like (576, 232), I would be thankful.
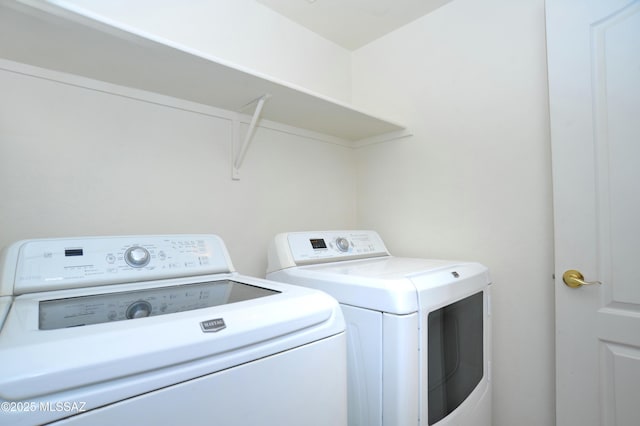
(43, 34)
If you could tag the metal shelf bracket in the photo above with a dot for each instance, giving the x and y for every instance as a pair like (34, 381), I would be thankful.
(240, 151)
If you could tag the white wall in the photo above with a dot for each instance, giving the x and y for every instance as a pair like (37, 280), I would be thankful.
(474, 182)
(75, 162)
(241, 32)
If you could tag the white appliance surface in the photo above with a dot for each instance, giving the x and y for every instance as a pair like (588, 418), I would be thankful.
(387, 301)
(391, 284)
(161, 329)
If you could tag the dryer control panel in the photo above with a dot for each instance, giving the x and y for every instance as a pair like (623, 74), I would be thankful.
(332, 246)
(61, 263)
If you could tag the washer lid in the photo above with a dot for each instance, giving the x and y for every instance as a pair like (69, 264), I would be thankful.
(5, 304)
(156, 351)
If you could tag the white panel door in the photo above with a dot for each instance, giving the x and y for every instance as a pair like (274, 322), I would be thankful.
(594, 86)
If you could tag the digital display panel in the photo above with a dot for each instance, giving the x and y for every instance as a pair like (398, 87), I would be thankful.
(318, 243)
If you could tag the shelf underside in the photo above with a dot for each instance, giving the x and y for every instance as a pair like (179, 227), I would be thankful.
(67, 42)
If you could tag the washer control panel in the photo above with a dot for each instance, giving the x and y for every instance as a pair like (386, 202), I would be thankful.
(324, 246)
(60, 263)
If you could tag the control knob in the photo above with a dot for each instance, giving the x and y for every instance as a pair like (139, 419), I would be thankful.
(137, 256)
(342, 244)
(139, 309)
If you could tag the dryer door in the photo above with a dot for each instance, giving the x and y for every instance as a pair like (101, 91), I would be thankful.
(455, 354)
(455, 335)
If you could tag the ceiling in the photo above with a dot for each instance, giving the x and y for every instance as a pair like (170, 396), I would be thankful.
(353, 23)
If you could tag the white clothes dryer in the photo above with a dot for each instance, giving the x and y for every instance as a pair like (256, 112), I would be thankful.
(418, 330)
(162, 330)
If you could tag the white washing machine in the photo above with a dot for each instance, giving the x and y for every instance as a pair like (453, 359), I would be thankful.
(161, 330)
(418, 331)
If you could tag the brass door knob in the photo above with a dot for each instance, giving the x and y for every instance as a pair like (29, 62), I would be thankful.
(575, 279)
